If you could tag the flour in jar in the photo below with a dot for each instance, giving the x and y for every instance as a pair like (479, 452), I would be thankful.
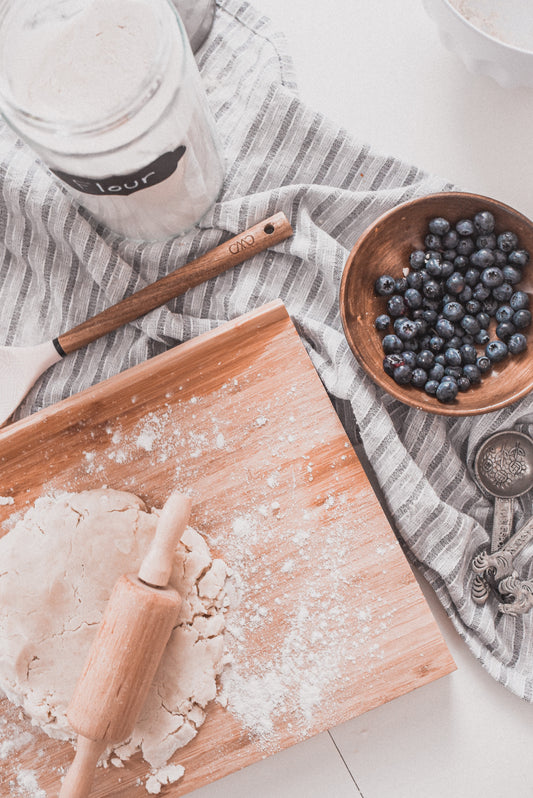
(109, 94)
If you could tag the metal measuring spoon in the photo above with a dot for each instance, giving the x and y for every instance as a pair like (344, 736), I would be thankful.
(503, 468)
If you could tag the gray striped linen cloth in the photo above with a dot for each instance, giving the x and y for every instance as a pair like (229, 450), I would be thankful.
(59, 267)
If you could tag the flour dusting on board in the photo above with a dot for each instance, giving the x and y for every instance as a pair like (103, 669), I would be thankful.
(288, 684)
(302, 624)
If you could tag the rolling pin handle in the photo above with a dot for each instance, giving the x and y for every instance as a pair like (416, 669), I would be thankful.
(156, 567)
(78, 781)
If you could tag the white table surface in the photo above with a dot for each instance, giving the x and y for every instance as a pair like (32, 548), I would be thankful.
(379, 70)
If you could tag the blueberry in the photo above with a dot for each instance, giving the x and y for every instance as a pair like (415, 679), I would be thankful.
(453, 372)
(384, 285)
(518, 257)
(453, 357)
(433, 242)
(466, 294)
(436, 372)
(391, 344)
(511, 275)
(421, 328)
(400, 285)
(503, 292)
(396, 305)
(500, 258)
(473, 306)
(382, 322)
(519, 300)
(410, 346)
(483, 363)
(470, 324)
(419, 378)
(472, 276)
(492, 276)
(440, 359)
(504, 313)
(444, 328)
(482, 259)
(483, 319)
(415, 280)
(409, 358)
(505, 329)
(522, 319)
(490, 306)
(391, 362)
(465, 246)
(484, 222)
(517, 343)
(436, 343)
(472, 371)
(487, 241)
(481, 292)
(482, 337)
(432, 289)
(413, 298)
(447, 268)
(507, 241)
(434, 267)
(453, 311)
(455, 283)
(431, 387)
(455, 342)
(463, 384)
(450, 239)
(405, 329)
(465, 227)
(425, 359)
(430, 316)
(496, 351)
(402, 374)
(417, 259)
(461, 263)
(439, 226)
(447, 391)
(468, 353)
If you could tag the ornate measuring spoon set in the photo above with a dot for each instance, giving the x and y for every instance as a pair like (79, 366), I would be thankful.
(504, 469)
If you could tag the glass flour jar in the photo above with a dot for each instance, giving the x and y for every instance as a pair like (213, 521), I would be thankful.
(108, 94)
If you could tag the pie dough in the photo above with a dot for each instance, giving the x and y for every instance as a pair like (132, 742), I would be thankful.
(58, 566)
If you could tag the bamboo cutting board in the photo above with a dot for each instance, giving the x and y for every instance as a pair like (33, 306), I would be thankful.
(330, 617)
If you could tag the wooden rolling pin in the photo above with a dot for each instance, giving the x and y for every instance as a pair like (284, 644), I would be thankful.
(140, 615)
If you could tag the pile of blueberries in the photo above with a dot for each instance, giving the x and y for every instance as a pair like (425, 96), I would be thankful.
(437, 319)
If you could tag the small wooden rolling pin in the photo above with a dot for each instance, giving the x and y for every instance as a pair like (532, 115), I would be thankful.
(123, 659)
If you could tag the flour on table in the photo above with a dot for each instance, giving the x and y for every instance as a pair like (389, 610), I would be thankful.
(59, 564)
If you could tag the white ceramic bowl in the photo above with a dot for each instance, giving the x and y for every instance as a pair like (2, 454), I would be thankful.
(491, 37)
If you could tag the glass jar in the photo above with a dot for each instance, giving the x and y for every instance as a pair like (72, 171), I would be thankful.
(108, 94)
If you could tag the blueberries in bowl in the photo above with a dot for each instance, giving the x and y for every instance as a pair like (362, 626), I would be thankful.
(458, 310)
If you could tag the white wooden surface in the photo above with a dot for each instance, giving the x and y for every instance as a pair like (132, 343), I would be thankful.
(379, 69)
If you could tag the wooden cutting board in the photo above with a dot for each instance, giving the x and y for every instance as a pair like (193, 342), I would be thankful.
(330, 619)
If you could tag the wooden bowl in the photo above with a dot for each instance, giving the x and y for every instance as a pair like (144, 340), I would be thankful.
(384, 248)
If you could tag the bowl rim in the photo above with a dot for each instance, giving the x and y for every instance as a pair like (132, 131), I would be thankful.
(513, 48)
(382, 379)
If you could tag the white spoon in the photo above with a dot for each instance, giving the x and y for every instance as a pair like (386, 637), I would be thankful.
(21, 366)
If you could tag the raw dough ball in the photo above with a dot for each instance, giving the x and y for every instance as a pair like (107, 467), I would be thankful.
(58, 566)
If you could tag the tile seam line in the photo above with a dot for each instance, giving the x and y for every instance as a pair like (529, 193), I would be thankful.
(345, 764)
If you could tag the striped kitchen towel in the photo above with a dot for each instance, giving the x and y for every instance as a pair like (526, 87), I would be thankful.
(59, 266)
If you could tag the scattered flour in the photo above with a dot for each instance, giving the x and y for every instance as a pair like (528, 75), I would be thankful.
(27, 785)
(166, 775)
